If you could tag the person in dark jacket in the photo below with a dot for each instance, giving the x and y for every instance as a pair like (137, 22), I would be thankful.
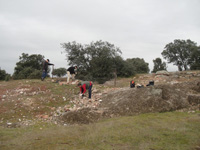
(85, 85)
(71, 71)
(45, 68)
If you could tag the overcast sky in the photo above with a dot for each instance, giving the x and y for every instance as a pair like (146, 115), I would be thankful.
(140, 28)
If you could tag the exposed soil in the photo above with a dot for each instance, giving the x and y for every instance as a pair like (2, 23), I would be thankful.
(171, 92)
(24, 102)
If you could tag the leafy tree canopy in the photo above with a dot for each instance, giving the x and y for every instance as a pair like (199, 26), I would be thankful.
(139, 65)
(181, 53)
(194, 61)
(123, 68)
(159, 65)
(28, 66)
(4, 75)
(96, 61)
(60, 72)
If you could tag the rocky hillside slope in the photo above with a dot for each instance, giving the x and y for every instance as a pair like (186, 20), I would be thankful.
(176, 91)
(25, 102)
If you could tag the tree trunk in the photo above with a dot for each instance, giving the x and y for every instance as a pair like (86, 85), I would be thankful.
(115, 75)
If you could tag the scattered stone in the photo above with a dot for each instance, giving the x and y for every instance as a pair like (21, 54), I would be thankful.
(180, 92)
(62, 83)
(162, 72)
(12, 125)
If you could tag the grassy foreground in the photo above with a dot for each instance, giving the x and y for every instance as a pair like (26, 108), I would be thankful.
(155, 131)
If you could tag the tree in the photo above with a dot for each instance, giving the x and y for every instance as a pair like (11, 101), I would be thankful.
(159, 65)
(123, 68)
(179, 53)
(59, 72)
(194, 61)
(139, 65)
(95, 60)
(28, 67)
(4, 75)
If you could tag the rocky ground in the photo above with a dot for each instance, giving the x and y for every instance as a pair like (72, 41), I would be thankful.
(179, 91)
(26, 102)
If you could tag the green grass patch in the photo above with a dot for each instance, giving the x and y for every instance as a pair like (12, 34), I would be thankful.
(155, 131)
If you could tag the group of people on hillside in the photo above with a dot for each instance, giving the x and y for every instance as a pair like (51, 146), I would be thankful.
(71, 71)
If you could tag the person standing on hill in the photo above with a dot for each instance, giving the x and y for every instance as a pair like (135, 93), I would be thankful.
(85, 85)
(71, 71)
(45, 68)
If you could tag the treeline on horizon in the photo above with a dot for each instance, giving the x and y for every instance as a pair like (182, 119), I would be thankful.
(101, 61)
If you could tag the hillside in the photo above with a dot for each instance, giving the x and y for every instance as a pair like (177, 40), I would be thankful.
(23, 102)
(46, 115)
(171, 92)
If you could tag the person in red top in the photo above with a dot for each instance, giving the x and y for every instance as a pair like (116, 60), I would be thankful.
(132, 84)
(85, 85)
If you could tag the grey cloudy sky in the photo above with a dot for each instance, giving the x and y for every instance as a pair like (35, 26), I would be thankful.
(140, 28)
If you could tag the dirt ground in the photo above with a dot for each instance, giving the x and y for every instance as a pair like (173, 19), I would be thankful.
(178, 91)
(24, 102)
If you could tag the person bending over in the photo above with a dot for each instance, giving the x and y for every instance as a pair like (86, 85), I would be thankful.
(84, 86)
